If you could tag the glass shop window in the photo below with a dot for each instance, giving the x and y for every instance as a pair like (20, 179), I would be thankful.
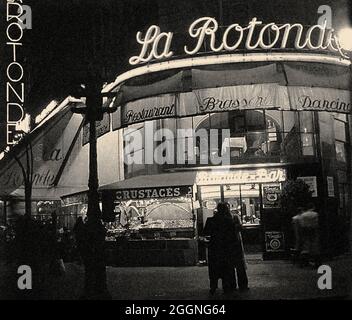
(169, 124)
(255, 120)
(134, 147)
(209, 135)
(211, 196)
(299, 137)
(201, 126)
(274, 127)
(340, 116)
(274, 117)
(340, 151)
(154, 218)
(340, 130)
(256, 144)
(341, 139)
(165, 138)
(250, 204)
(237, 123)
(344, 199)
(184, 123)
(248, 134)
(133, 135)
(253, 133)
(291, 140)
(307, 133)
(290, 119)
(185, 144)
(306, 121)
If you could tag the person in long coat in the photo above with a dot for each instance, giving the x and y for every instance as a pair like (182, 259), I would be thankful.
(221, 230)
(239, 257)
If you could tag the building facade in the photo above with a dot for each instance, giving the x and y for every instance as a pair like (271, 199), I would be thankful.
(233, 111)
(219, 101)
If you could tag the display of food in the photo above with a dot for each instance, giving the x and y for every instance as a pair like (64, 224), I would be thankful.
(152, 219)
(147, 229)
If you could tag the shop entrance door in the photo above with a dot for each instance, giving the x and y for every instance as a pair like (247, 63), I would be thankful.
(245, 200)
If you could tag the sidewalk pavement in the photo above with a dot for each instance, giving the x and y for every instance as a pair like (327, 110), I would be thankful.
(268, 280)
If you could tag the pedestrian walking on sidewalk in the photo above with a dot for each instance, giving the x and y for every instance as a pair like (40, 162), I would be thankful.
(309, 222)
(306, 228)
(221, 230)
(297, 230)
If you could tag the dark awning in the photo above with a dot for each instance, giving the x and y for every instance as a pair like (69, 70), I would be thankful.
(318, 75)
(242, 86)
(157, 180)
(284, 73)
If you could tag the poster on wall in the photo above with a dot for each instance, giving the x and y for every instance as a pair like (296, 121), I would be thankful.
(209, 204)
(331, 189)
(271, 196)
(274, 241)
(312, 183)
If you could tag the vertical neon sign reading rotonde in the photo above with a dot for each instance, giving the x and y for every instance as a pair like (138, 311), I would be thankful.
(156, 44)
(14, 73)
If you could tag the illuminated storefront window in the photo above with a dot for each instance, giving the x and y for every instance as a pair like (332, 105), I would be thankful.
(342, 145)
(252, 136)
(340, 129)
(245, 200)
(73, 206)
(151, 213)
(307, 133)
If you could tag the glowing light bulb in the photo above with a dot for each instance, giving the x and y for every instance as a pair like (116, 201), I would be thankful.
(345, 38)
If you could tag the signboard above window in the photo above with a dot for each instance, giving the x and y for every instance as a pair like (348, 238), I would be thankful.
(151, 193)
(241, 176)
(233, 98)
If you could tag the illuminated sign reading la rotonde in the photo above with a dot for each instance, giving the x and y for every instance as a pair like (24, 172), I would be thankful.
(156, 45)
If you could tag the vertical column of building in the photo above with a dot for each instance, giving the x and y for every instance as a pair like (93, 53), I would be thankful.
(329, 204)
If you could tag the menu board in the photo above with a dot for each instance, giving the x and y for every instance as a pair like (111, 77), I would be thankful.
(274, 241)
(331, 189)
(271, 196)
